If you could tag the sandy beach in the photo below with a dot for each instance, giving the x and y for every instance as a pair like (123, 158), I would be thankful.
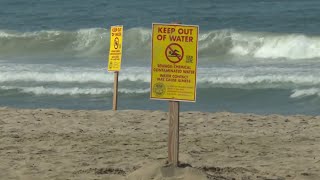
(132, 144)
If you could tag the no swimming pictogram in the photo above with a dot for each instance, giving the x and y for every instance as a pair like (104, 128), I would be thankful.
(174, 53)
(116, 43)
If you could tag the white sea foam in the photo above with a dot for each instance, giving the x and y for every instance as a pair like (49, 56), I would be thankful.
(260, 44)
(51, 73)
(265, 79)
(300, 93)
(265, 76)
(101, 77)
(80, 77)
(40, 90)
(70, 77)
(289, 46)
(94, 42)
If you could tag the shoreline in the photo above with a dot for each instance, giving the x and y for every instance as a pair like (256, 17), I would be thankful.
(132, 144)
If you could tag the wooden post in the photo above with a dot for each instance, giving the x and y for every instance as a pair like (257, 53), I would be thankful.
(115, 91)
(173, 139)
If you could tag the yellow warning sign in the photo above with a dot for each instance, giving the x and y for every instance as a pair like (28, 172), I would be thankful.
(174, 62)
(115, 53)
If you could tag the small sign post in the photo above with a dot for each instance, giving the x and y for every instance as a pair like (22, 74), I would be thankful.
(173, 73)
(115, 91)
(115, 55)
(173, 137)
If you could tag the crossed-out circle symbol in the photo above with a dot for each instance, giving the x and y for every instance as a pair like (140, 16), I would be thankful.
(174, 53)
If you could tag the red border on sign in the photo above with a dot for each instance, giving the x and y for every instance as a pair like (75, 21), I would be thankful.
(178, 57)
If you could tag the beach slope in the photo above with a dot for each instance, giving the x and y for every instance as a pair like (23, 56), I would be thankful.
(132, 144)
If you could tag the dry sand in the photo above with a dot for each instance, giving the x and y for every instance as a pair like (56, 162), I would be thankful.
(68, 144)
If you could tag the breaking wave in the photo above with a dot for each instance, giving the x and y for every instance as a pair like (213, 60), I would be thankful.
(301, 93)
(205, 76)
(40, 90)
(94, 42)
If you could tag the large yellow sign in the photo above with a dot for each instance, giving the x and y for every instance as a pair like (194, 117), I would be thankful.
(174, 62)
(115, 53)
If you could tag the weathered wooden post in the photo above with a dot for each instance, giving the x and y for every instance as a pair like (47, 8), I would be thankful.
(115, 91)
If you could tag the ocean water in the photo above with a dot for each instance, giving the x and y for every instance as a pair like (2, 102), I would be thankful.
(255, 56)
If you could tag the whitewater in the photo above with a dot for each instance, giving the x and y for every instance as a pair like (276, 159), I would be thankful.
(253, 56)
(93, 43)
(72, 64)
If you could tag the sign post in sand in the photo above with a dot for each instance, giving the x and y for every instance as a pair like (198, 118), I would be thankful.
(115, 55)
(173, 73)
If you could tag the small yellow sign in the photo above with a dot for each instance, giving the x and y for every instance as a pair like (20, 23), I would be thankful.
(174, 62)
(115, 53)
